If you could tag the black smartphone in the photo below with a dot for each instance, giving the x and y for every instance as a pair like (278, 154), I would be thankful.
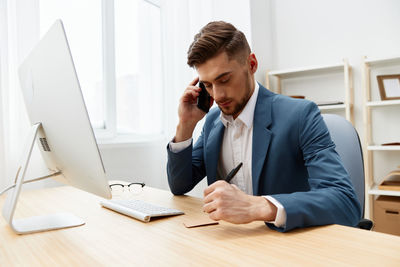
(204, 99)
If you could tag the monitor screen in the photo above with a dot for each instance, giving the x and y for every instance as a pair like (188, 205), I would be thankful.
(61, 129)
(53, 97)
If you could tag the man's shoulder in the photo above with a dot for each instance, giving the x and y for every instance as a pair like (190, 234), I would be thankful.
(286, 109)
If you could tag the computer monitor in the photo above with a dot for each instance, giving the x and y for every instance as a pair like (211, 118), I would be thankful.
(61, 129)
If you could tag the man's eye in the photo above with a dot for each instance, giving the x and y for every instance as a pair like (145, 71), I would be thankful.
(224, 80)
(207, 85)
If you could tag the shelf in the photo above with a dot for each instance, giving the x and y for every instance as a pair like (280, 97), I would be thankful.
(383, 103)
(331, 107)
(369, 65)
(375, 191)
(342, 69)
(384, 148)
(383, 61)
(297, 72)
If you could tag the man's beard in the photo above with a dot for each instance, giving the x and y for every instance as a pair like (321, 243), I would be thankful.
(242, 103)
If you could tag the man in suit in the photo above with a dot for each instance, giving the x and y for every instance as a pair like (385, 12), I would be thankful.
(291, 174)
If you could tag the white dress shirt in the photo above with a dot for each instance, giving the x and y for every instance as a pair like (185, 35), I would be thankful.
(236, 147)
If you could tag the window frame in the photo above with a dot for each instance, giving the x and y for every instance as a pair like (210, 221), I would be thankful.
(108, 136)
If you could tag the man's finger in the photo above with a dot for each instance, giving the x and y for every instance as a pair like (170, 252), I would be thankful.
(214, 215)
(212, 187)
(209, 197)
(209, 207)
(235, 186)
(193, 88)
(195, 81)
(208, 190)
(190, 95)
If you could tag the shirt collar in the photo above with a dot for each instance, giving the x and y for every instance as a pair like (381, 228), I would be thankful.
(247, 114)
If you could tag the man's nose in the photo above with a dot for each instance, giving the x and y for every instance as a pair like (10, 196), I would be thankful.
(218, 94)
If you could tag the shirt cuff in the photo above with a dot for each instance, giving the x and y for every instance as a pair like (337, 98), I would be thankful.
(178, 147)
(280, 219)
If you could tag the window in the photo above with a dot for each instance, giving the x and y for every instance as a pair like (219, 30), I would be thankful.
(116, 46)
(138, 67)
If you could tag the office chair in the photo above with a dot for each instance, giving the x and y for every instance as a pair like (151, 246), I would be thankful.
(349, 148)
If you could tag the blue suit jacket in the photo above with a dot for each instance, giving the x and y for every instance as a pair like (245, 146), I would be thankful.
(293, 159)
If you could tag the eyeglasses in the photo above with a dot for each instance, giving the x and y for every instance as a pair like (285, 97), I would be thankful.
(134, 188)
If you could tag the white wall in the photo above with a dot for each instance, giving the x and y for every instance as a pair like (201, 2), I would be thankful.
(313, 32)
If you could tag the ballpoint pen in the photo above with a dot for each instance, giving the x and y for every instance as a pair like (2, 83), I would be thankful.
(233, 172)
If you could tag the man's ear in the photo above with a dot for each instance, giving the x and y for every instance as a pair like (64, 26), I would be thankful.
(252, 63)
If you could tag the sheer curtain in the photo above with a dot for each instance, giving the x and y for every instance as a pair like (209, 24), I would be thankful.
(19, 31)
(3, 60)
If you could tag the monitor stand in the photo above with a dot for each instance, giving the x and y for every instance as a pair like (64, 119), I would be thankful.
(36, 223)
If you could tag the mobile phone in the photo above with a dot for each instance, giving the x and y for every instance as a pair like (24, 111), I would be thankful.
(204, 99)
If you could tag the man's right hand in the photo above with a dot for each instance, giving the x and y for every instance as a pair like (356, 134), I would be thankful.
(188, 112)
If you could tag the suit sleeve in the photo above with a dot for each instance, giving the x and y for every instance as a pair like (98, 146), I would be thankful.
(186, 169)
(331, 198)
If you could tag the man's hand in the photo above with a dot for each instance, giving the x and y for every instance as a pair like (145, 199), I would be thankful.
(227, 202)
(189, 114)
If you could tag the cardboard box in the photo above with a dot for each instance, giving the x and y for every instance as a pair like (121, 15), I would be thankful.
(387, 215)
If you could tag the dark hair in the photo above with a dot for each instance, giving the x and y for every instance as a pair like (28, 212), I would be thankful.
(217, 37)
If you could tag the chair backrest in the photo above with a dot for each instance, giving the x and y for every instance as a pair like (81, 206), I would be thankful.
(349, 148)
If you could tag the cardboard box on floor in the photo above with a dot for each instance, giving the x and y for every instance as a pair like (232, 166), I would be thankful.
(387, 215)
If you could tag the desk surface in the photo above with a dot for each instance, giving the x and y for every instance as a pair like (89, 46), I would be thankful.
(109, 238)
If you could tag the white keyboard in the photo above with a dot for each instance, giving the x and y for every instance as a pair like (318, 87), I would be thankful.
(138, 209)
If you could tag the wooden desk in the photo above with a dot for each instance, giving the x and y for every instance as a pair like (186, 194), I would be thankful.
(111, 239)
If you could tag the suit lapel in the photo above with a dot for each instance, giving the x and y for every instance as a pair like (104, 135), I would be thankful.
(213, 148)
(261, 134)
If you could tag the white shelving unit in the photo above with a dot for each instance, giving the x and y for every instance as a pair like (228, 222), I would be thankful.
(383, 148)
(369, 146)
(279, 75)
(312, 70)
(331, 107)
(383, 103)
(374, 62)
(374, 190)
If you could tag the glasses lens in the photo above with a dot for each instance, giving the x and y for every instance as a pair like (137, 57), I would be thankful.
(135, 188)
(117, 189)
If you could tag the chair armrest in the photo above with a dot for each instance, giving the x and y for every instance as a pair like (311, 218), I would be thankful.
(365, 224)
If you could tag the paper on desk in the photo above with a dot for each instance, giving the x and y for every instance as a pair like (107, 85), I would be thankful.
(197, 222)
